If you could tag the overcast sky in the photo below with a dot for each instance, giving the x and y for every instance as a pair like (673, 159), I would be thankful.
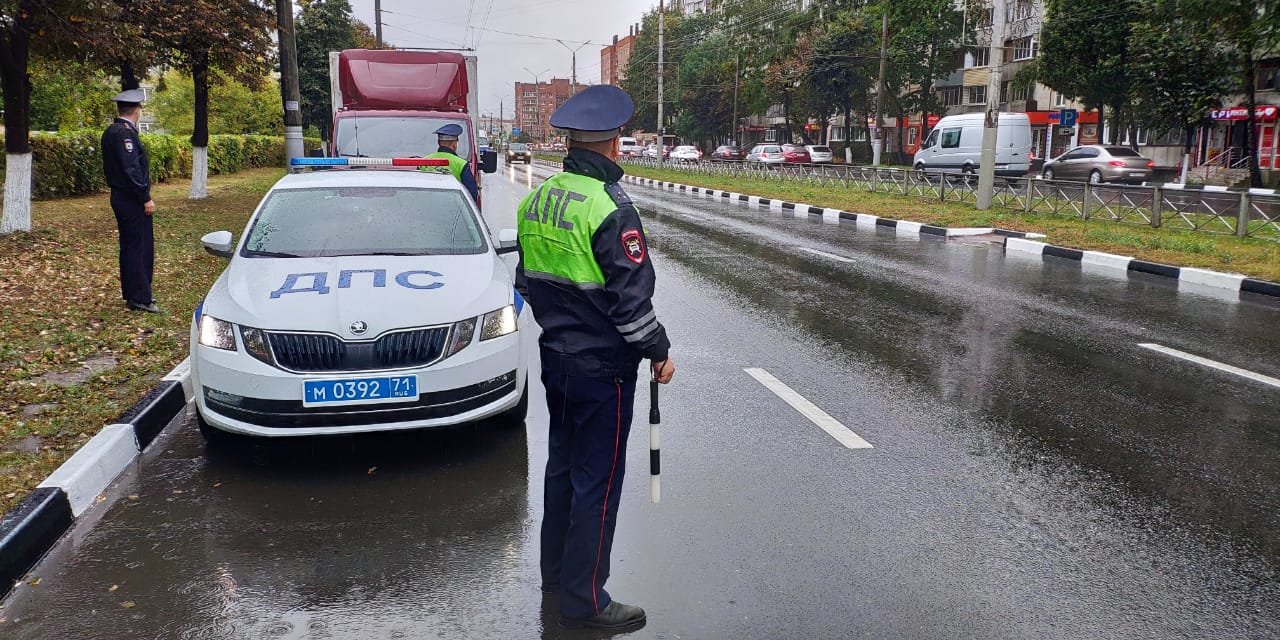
(503, 57)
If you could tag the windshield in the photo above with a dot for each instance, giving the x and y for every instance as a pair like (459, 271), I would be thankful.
(519, 146)
(393, 137)
(350, 221)
(482, 141)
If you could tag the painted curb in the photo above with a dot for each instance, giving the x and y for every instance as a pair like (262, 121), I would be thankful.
(30, 529)
(1015, 242)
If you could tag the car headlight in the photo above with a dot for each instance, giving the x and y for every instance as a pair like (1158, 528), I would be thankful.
(463, 332)
(499, 323)
(216, 333)
(255, 343)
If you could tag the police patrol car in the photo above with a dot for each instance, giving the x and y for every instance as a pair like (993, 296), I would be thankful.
(357, 301)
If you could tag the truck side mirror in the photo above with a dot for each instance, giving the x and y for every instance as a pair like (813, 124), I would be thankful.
(489, 161)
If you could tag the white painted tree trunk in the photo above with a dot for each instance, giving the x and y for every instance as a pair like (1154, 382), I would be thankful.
(199, 173)
(17, 193)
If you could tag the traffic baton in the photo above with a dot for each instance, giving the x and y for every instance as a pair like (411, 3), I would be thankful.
(655, 453)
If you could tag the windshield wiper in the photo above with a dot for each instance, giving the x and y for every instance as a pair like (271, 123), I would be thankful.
(378, 253)
(272, 254)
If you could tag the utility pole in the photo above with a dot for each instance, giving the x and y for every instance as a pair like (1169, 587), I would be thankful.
(289, 91)
(736, 74)
(877, 141)
(377, 22)
(573, 82)
(991, 124)
(501, 120)
(662, 131)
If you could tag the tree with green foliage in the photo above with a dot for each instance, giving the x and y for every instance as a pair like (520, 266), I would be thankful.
(844, 67)
(705, 81)
(68, 95)
(923, 36)
(234, 107)
(1085, 54)
(323, 26)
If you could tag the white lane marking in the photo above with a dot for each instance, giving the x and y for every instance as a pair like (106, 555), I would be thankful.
(1212, 364)
(841, 433)
(824, 254)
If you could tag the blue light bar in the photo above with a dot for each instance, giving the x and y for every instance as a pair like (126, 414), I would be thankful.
(368, 162)
(318, 162)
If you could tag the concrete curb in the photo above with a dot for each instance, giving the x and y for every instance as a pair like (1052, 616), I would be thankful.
(30, 529)
(1191, 278)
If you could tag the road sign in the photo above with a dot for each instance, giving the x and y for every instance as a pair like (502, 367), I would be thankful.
(515, 131)
(1067, 117)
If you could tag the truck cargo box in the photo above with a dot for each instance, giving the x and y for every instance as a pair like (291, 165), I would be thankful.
(431, 80)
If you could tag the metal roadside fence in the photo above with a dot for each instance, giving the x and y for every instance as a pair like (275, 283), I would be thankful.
(1243, 213)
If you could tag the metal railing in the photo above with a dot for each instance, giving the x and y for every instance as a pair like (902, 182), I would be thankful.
(1210, 210)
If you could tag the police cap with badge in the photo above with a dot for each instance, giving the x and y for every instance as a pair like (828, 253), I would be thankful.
(594, 114)
(449, 132)
(130, 98)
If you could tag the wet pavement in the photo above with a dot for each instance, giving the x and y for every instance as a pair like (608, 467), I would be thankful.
(1036, 473)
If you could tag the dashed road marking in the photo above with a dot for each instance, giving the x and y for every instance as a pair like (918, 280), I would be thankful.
(1212, 364)
(841, 433)
(830, 256)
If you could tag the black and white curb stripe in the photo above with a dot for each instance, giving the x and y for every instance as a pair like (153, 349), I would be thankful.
(1201, 280)
(30, 529)
(902, 227)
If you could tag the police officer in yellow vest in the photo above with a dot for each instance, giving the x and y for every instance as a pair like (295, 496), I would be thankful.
(448, 136)
(586, 272)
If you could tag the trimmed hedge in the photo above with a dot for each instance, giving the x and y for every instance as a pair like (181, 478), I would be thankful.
(70, 163)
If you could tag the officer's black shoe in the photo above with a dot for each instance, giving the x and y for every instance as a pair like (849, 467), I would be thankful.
(614, 616)
(150, 307)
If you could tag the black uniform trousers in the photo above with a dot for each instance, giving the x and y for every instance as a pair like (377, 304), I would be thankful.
(590, 422)
(137, 247)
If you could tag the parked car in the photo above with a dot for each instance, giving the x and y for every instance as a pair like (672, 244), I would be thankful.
(651, 151)
(518, 151)
(728, 153)
(955, 145)
(768, 154)
(629, 147)
(795, 154)
(1097, 164)
(686, 153)
(819, 154)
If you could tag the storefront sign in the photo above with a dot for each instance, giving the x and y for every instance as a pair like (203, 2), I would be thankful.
(1262, 112)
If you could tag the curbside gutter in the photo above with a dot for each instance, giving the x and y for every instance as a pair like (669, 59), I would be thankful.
(1203, 280)
(30, 529)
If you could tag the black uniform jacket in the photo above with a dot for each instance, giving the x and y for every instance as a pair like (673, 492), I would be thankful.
(601, 332)
(124, 160)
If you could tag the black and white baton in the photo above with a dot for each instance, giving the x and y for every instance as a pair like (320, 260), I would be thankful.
(655, 453)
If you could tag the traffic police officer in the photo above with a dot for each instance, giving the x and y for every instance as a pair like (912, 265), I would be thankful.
(585, 269)
(458, 166)
(124, 160)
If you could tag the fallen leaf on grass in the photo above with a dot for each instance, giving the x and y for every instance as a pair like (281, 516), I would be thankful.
(133, 497)
(217, 484)
(128, 604)
(114, 587)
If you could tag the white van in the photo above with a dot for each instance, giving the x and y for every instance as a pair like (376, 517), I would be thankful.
(955, 145)
(629, 146)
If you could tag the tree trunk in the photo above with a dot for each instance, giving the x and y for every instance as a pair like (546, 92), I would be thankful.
(15, 48)
(848, 133)
(128, 79)
(1117, 120)
(1251, 125)
(200, 135)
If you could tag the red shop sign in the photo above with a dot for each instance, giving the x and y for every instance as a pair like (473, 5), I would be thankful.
(1262, 112)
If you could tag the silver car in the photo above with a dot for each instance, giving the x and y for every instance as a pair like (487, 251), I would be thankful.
(819, 154)
(766, 154)
(1098, 164)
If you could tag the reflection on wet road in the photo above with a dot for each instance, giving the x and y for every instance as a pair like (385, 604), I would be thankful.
(1035, 472)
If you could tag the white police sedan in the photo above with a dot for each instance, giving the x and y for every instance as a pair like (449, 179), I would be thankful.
(358, 301)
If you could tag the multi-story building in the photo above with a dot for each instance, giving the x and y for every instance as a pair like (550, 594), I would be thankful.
(536, 102)
(615, 58)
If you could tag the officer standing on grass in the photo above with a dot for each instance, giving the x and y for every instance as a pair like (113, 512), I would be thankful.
(448, 136)
(124, 160)
(585, 269)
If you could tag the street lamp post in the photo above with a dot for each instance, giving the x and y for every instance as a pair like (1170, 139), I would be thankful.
(573, 87)
(537, 96)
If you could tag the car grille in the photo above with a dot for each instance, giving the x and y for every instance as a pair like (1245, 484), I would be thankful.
(318, 352)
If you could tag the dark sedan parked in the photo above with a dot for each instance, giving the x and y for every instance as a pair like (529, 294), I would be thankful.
(728, 153)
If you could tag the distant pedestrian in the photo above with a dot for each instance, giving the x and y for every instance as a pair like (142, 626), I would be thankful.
(461, 169)
(124, 160)
(584, 265)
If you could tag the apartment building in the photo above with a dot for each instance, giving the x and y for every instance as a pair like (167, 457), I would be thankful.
(615, 58)
(536, 102)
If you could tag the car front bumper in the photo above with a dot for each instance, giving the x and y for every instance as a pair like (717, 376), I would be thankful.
(237, 393)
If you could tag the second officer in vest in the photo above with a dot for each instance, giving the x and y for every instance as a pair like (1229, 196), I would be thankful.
(448, 136)
(585, 269)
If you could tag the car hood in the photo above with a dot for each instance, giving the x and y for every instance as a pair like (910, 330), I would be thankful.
(285, 294)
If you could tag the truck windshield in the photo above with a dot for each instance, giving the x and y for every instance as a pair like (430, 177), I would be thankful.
(393, 137)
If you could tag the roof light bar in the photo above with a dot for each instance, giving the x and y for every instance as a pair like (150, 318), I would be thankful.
(368, 162)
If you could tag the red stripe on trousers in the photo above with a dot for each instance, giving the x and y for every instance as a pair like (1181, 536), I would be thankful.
(604, 511)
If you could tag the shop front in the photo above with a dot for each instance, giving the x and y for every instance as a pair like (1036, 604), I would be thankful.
(1050, 139)
(1229, 134)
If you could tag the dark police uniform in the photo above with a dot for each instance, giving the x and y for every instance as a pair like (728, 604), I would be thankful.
(128, 172)
(585, 269)
(458, 165)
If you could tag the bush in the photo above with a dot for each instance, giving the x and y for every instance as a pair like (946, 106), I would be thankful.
(70, 163)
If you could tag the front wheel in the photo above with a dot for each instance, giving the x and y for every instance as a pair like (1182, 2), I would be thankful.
(1095, 177)
(1048, 174)
(214, 436)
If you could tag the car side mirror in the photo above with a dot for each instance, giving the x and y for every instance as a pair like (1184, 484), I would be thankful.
(218, 243)
(489, 162)
(507, 241)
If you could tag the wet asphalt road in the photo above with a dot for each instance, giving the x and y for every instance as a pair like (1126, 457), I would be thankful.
(1035, 473)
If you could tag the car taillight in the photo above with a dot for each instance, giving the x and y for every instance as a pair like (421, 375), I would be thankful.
(1151, 164)
(1116, 163)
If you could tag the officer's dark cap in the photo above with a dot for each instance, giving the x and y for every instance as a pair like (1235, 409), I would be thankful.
(449, 132)
(595, 113)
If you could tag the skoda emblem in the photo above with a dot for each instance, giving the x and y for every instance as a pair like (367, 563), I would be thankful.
(359, 327)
